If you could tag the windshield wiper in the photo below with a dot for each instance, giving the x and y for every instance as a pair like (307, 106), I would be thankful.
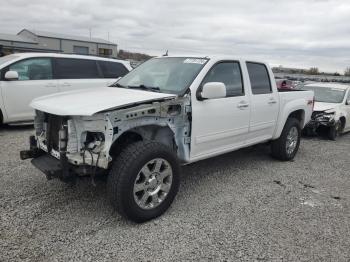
(144, 87)
(117, 85)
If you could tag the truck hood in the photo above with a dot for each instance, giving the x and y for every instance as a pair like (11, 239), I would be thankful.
(87, 102)
(322, 106)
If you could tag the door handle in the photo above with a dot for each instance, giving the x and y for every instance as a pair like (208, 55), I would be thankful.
(242, 105)
(50, 85)
(272, 101)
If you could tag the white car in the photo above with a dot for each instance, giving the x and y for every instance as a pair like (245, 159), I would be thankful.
(332, 108)
(25, 76)
(167, 111)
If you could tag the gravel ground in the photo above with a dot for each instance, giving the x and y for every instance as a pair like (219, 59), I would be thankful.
(243, 206)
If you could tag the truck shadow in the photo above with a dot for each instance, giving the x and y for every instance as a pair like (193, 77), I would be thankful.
(19, 127)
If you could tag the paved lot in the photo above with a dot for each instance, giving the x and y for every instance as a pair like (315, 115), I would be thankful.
(243, 206)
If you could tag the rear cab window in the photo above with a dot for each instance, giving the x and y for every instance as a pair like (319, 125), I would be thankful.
(259, 78)
(72, 68)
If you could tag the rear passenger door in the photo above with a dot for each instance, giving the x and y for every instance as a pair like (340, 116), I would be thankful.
(264, 103)
(75, 74)
(111, 71)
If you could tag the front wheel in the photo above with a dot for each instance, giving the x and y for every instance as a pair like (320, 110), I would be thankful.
(287, 145)
(334, 131)
(144, 181)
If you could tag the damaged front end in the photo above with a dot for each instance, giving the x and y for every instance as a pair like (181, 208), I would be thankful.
(65, 147)
(320, 119)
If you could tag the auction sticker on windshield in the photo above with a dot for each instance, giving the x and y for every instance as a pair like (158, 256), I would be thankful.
(195, 61)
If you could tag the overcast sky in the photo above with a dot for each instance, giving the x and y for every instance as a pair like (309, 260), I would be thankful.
(297, 33)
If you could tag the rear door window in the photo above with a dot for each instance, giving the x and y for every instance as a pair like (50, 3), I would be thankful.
(259, 78)
(112, 69)
(70, 68)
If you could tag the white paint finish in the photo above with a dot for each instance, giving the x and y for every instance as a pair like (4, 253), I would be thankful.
(218, 126)
(17, 95)
(341, 109)
(321, 106)
(213, 90)
(90, 101)
(75, 84)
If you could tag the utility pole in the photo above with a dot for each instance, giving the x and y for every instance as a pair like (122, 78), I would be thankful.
(90, 32)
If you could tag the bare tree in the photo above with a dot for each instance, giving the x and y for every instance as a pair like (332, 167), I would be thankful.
(347, 71)
(313, 71)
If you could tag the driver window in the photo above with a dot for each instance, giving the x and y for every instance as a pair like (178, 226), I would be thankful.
(33, 69)
(228, 73)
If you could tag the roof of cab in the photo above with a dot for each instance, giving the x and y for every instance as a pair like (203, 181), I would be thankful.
(215, 58)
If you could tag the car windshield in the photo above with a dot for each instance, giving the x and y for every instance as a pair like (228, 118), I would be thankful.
(7, 58)
(327, 94)
(167, 74)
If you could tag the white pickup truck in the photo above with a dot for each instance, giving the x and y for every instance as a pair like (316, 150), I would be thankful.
(167, 112)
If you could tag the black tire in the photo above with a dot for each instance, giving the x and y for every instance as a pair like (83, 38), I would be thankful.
(279, 146)
(124, 173)
(1, 118)
(334, 131)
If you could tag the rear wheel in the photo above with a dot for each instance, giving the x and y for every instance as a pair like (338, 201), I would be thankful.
(144, 181)
(287, 145)
(1, 118)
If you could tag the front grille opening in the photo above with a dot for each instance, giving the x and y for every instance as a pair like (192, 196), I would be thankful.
(54, 123)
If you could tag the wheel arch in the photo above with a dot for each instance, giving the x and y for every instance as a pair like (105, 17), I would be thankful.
(297, 113)
(342, 120)
(152, 132)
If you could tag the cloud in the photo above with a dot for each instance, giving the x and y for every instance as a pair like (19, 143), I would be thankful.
(300, 33)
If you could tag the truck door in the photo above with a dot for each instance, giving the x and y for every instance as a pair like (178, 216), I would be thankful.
(221, 124)
(35, 79)
(264, 103)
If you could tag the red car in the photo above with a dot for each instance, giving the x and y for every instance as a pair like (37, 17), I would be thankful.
(284, 84)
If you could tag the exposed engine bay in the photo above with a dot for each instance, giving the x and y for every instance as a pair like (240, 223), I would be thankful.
(85, 144)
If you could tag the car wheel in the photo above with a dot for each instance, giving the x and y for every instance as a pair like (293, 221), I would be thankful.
(334, 131)
(287, 145)
(144, 181)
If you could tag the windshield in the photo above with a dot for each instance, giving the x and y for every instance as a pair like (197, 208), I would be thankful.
(7, 58)
(167, 75)
(327, 94)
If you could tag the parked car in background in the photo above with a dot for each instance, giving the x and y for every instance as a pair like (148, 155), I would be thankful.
(25, 76)
(284, 84)
(167, 111)
(331, 110)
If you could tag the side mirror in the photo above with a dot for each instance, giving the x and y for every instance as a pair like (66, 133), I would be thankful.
(347, 102)
(11, 75)
(213, 90)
